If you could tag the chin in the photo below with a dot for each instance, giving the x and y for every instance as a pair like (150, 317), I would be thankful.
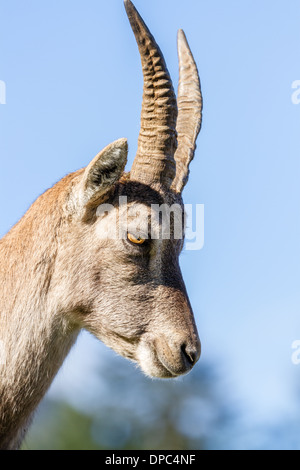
(150, 365)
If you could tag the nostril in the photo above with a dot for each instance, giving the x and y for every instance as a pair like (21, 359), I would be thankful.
(189, 354)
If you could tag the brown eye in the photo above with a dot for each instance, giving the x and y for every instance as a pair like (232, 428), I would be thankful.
(136, 241)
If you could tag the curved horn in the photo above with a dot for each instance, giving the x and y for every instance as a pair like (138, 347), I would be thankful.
(189, 112)
(154, 161)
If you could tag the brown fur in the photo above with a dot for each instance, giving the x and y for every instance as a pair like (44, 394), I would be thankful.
(59, 275)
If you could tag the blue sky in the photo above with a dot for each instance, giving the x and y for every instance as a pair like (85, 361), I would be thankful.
(74, 84)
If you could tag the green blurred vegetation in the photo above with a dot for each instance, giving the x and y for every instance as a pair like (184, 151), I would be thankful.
(126, 410)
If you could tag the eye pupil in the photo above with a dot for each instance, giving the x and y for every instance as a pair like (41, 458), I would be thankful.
(135, 240)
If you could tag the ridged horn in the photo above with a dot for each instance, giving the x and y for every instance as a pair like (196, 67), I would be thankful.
(190, 107)
(154, 162)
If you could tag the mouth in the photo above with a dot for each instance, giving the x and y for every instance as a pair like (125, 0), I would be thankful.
(159, 369)
(156, 359)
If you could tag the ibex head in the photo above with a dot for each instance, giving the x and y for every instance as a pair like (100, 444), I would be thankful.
(128, 289)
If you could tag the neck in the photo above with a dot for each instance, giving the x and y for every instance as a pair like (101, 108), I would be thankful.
(35, 336)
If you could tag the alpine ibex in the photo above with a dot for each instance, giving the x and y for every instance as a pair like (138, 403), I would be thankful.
(57, 275)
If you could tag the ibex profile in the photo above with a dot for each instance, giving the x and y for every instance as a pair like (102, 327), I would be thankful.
(57, 275)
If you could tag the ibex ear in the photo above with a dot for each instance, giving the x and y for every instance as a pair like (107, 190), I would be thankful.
(104, 171)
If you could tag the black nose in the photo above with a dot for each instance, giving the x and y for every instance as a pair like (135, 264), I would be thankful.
(191, 353)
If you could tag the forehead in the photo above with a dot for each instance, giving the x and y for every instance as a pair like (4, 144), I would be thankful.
(140, 193)
(141, 210)
(144, 194)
